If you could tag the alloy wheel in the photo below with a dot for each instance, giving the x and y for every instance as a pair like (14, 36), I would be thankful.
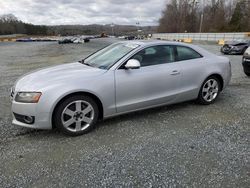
(210, 90)
(77, 116)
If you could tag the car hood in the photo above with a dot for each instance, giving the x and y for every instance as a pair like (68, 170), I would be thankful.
(56, 75)
(233, 43)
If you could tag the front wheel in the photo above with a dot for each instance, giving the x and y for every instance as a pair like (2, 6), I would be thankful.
(209, 91)
(76, 115)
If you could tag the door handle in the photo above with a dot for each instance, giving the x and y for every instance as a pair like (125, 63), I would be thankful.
(175, 72)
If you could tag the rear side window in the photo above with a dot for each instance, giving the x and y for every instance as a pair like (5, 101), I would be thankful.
(186, 53)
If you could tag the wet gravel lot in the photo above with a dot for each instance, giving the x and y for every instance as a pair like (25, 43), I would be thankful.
(183, 145)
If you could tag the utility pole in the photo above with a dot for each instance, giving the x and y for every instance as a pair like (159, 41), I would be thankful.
(201, 21)
(202, 15)
(112, 26)
(138, 28)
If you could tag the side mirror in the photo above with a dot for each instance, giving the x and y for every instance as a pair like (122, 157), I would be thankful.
(133, 64)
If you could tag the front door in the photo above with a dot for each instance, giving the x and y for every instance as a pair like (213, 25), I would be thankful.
(156, 82)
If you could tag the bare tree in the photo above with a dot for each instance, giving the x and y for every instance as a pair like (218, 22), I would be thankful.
(179, 16)
(218, 16)
(240, 20)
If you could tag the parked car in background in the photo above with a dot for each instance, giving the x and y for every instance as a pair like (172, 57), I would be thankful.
(235, 47)
(123, 77)
(76, 40)
(246, 62)
(65, 41)
(80, 40)
(131, 37)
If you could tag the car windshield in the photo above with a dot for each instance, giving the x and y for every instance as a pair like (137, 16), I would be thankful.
(108, 56)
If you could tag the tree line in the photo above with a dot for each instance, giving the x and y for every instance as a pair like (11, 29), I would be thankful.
(205, 16)
(9, 24)
(178, 16)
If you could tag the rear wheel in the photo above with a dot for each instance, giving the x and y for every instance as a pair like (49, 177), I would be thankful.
(209, 91)
(76, 115)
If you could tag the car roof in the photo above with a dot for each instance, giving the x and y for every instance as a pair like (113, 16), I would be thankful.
(147, 43)
(152, 42)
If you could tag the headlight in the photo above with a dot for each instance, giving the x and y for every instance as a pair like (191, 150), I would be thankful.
(28, 97)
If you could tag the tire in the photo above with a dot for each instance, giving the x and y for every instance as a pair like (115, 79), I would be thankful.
(76, 115)
(209, 90)
(247, 73)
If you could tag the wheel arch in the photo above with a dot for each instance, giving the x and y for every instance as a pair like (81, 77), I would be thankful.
(219, 77)
(86, 93)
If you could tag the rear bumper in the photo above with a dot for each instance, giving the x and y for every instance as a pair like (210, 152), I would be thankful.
(227, 78)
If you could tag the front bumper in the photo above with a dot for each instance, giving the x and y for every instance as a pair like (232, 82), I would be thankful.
(231, 51)
(42, 120)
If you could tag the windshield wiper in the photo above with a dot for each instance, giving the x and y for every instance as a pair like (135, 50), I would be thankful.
(91, 65)
(82, 62)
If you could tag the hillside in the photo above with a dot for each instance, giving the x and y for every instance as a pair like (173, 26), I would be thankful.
(9, 24)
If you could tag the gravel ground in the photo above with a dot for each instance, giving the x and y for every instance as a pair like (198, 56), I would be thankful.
(183, 145)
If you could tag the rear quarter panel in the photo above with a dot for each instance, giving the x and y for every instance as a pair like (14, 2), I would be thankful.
(195, 72)
(222, 66)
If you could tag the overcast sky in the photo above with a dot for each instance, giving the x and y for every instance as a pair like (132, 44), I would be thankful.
(55, 12)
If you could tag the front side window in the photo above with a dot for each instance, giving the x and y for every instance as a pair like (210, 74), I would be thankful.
(108, 56)
(155, 55)
(186, 53)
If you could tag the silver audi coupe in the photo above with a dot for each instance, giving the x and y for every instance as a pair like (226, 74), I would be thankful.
(120, 78)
